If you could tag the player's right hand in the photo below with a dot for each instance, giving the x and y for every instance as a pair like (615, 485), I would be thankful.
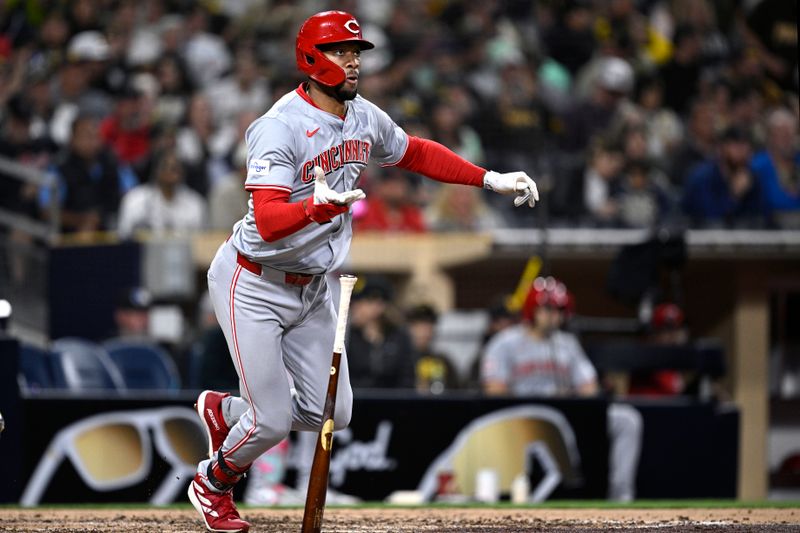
(322, 213)
(325, 195)
(327, 203)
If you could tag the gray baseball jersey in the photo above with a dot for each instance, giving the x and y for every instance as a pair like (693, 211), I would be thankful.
(529, 366)
(280, 332)
(284, 146)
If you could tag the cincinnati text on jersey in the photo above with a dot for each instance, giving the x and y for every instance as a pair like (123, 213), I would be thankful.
(350, 151)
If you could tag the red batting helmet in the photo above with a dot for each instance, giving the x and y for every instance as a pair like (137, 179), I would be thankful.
(667, 316)
(327, 27)
(545, 292)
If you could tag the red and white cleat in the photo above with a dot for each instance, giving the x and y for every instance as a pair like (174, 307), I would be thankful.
(217, 508)
(209, 407)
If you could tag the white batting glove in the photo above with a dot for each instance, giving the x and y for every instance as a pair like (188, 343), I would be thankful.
(513, 183)
(325, 195)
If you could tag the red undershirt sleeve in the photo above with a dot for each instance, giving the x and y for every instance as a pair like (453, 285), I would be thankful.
(276, 218)
(438, 162)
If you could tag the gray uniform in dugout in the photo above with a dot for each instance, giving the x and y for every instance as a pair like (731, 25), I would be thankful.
(277, 329)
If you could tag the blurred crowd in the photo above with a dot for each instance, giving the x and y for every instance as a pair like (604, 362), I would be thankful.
(629, 113)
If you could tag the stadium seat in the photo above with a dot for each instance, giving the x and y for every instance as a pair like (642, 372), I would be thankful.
(459, 335)
(84, 365)
(144, 365)
(36, 369)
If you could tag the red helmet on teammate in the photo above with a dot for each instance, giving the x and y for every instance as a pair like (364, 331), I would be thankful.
(547, 292)
(667, 316)
(328, 27)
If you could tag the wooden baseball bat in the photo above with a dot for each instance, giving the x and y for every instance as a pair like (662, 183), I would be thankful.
(318, 480)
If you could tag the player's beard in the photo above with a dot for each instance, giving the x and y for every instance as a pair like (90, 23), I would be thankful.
(345, 94)
(341, 93)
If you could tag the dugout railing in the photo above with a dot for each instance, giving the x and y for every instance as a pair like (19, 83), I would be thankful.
(24, 245)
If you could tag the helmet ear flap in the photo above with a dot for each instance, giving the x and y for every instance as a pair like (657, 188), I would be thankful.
(319, 68)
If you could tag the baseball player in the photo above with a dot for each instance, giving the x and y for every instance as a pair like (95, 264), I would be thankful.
(536, 358)
(267, 281)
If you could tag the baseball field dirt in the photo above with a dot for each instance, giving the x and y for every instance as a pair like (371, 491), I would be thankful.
(445, 520)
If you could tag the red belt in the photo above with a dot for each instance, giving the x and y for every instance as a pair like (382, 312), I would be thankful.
(291, 278)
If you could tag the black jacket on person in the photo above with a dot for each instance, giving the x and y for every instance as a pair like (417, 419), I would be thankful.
(96, 185)
(388, 364)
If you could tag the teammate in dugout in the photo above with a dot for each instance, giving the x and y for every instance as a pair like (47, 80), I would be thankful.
(267, 282)
(538, 358)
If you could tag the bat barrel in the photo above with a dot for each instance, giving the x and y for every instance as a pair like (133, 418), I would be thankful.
(318, 479)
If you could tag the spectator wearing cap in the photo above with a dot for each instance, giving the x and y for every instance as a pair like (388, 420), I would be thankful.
(379, 349)
(92, 49)
(613, 81)
(86, 53)
(723, 190)
(91, 182)
(434, 371)
(132, 313)
(165, 205)
(390, 207)
(777, 168)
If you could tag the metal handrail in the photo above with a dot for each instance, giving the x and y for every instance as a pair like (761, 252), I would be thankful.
(47, 231)
(25, 224)
(23, 172)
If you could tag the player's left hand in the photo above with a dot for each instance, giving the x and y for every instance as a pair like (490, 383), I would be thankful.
(518, 183)
(325, 195)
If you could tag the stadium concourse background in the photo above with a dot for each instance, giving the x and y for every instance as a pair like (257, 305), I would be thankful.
(662, 134)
